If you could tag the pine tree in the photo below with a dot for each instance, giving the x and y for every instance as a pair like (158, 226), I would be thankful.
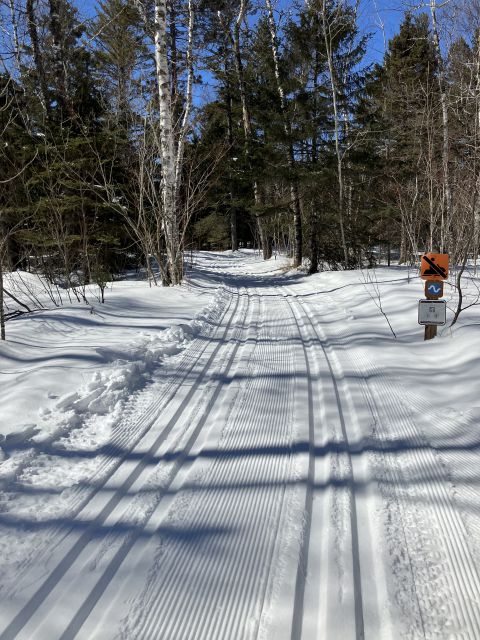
(119, 49)
(71, 228)
(403, 118)
(329, 84)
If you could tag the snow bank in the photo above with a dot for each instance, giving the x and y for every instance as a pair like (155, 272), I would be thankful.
(44, 359)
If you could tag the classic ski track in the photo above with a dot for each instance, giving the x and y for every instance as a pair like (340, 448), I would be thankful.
(168, 576)
(137, 513)
(35, 601)
(127, 436)
(245, 594)
(241, 586)
(302, 573)
(300, 581)
(460, 579)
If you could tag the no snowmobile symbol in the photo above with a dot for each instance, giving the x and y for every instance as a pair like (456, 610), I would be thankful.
(434, 266)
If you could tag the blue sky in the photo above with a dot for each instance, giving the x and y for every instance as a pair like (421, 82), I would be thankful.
(373, 14)
(382, 19)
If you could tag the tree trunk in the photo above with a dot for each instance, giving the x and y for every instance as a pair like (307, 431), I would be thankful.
(446, 227)
(313, 244)
(294, 190)
(167, 147)
(265, 240)
(246, 118)
(240, 74)
(16, 42)
(176, 102)
(63, 94)
(233, 213)
(2, 311)
(403, 242)
(188, 104)
(37, 54)
(328, 46)
(476, 212)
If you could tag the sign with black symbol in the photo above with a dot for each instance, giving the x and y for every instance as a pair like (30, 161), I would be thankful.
(434, 266)
(432, 312)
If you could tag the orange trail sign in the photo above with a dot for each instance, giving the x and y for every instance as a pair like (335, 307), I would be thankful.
(434, 266)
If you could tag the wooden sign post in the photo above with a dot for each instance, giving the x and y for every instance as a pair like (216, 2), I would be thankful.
(433, 269)
(430, 329)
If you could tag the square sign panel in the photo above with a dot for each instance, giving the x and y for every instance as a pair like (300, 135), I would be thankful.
(432, 312)
(434, 266)
(434, 290)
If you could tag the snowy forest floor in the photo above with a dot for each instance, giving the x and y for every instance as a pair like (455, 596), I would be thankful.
(249, 455)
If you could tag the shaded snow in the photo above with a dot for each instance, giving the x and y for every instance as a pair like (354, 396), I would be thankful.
(251, 454)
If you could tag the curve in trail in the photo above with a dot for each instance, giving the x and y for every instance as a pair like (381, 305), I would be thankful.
(214, 587)
(300, 318)
(44, 590)
(446, 590)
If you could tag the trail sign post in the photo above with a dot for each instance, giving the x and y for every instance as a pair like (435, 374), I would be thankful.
(433, 269)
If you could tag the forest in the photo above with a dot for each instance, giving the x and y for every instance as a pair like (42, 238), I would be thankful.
(153, 128)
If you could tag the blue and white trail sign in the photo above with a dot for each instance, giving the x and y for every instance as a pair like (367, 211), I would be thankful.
(433, 289)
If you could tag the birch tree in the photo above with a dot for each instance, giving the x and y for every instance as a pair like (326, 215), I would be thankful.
(172, 135)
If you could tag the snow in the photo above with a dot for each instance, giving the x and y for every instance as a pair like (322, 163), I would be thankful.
(252, 454)
(102, 352)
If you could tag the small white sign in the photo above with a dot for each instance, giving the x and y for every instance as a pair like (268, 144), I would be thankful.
(432, 312)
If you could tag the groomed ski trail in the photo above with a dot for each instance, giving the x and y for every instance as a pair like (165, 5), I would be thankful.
(434, 581)
(256, 494)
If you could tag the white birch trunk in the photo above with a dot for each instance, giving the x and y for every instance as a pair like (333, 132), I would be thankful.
(167, 145)
(239, 69)
(188, 102)
(171, 140)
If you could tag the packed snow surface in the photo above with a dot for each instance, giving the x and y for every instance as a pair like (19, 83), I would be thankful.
(256, 453)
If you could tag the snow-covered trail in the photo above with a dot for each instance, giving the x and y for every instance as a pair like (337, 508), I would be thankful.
(274, 486)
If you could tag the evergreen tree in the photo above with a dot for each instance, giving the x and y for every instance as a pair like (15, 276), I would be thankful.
(71, 228)
(401, 114)
(119, 49)
(330, 82)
